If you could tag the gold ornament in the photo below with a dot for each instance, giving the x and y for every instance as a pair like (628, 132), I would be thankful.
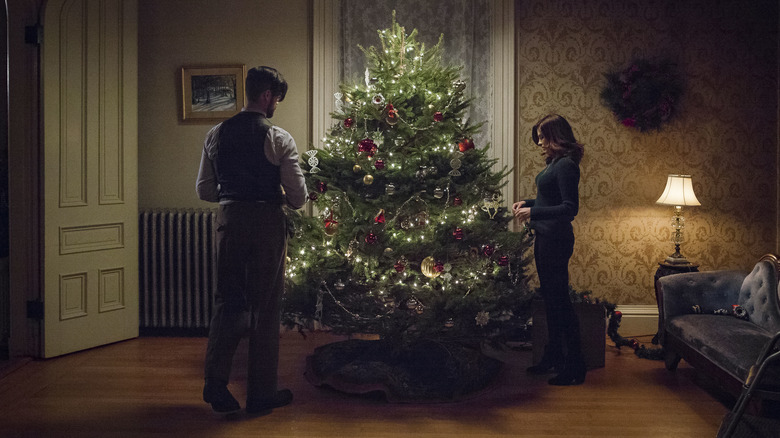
(428, 267)
(368, 179)
(356, 168)
(491, 204)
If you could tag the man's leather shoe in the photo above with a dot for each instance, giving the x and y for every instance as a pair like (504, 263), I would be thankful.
(221, 400)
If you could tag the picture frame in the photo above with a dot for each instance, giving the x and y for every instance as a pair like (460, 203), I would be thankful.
(212, 93)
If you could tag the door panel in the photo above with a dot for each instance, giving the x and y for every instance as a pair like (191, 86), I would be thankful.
(90, 266)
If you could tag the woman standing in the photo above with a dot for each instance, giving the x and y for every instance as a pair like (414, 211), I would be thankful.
(550, 216)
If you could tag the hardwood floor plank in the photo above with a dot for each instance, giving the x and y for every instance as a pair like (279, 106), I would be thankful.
(151, 387)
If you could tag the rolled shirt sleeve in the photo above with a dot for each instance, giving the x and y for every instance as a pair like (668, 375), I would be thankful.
(281, 150)
(206, 185)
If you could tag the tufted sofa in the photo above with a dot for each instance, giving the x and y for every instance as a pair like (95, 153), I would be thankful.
(714, 340)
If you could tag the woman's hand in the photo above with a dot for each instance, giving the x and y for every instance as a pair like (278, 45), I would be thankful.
(522, 213)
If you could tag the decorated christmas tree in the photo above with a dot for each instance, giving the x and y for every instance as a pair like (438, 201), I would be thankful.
(410, 238)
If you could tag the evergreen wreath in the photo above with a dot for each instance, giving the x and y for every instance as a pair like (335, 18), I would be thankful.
(643, 95)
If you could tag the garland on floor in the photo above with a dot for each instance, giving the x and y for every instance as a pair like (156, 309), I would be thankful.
(639, 349)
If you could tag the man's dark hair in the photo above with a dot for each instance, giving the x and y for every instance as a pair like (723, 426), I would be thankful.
(262, 78)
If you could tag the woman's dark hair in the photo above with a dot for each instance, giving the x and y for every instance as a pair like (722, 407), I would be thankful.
(262, 78)
(559, 134)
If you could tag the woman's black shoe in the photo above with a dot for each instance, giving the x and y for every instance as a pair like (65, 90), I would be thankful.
(548, 364)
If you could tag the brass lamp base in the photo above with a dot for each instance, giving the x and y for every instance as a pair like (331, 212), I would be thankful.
(677, 258)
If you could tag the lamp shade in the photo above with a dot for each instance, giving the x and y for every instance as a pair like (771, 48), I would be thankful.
(678, 191)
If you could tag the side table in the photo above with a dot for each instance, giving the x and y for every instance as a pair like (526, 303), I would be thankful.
(665, 268)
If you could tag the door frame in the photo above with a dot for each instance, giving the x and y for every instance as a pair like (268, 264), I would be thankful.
(24, 155)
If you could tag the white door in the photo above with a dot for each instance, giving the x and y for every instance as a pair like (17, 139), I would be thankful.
(90, 205)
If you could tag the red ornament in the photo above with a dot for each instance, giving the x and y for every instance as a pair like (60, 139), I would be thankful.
(322, 187)
(438, 116)
(379, 164)
(329, 221)
(392, 114)
(380, 217)
(457, 201)
(348, 122)
(465, 145)
(313, 196)
(458, 234)
(503, 261)
(371, 238)
(368, 146)
(331, 225)
(399, 267)
(488, 250)
(438, 266)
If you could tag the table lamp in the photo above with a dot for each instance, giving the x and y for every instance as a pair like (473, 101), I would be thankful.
(678, 193)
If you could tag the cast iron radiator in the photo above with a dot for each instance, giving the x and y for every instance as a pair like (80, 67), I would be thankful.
(177, 271)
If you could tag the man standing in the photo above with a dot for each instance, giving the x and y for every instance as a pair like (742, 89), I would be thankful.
(251, 168)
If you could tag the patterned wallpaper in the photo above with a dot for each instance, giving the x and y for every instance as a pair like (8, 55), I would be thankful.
(725, 134)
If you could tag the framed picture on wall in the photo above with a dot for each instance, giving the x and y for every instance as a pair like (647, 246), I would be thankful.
(212, 93)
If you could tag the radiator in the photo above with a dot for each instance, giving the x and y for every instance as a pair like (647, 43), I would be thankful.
(177, 258)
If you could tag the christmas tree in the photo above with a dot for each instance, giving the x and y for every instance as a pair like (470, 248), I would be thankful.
(410, 235)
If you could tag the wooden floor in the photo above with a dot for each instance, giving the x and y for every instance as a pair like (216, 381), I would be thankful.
(150, 387)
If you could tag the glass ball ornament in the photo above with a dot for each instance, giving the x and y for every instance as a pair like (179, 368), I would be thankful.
(378, 100)
(339, 285)
(379, 164)
(412, 303)
(428, 267)
(357, 168)
(421, 220)
(389, 189)
(331, 228)
(367, 146)
(438, 192)
(348, 122)
(449, 323)
(368, 179)
(465, 145)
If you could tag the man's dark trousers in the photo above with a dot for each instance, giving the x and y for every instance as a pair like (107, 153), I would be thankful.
(251, 252)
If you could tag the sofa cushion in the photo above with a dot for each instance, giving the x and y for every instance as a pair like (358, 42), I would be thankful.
(731, 343)
(758, 296)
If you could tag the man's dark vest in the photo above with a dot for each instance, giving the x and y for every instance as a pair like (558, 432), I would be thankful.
(243, 171)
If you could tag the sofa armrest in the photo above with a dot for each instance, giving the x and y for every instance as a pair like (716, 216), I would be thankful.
(710, 290)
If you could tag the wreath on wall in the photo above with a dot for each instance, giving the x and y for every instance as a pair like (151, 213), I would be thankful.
(643, 95)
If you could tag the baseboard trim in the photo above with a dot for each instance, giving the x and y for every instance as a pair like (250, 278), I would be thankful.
(638, 319)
